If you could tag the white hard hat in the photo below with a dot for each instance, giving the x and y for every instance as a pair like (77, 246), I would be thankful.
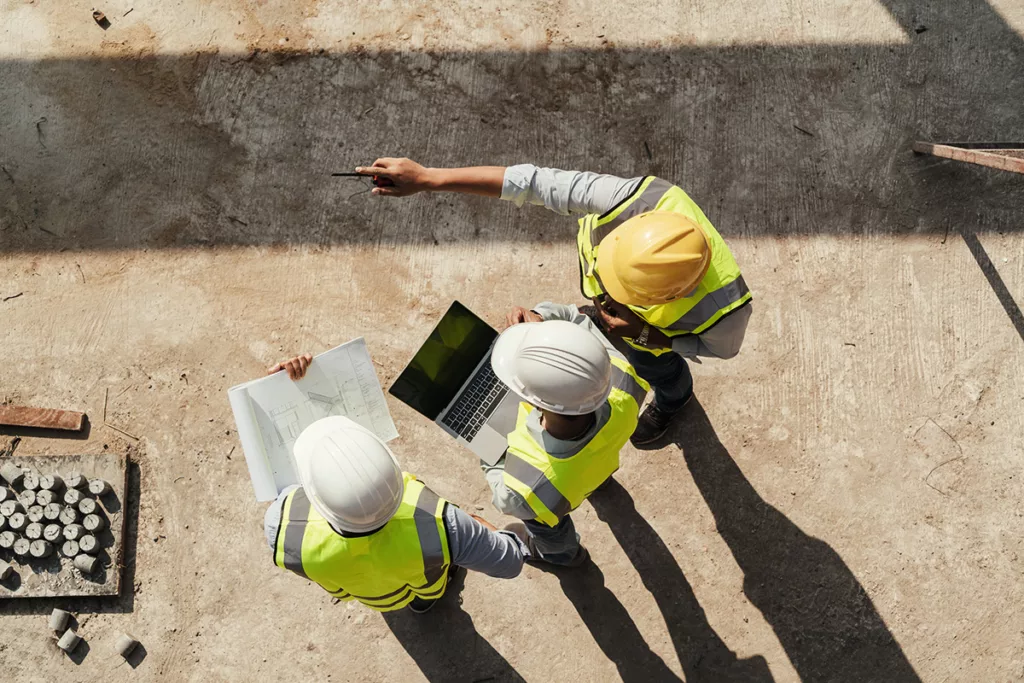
(555, 365)
(351, 478)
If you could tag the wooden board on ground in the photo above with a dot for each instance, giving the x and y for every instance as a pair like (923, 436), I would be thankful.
(56, 576)
(1006, 156)
(42, 418)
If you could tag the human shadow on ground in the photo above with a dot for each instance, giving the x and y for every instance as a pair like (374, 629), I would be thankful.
(702, 654)
(820, 613)
(445, 644)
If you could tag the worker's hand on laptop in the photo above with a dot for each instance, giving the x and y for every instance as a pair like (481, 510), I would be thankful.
(521, 315)
(296, 367)
(405, 175)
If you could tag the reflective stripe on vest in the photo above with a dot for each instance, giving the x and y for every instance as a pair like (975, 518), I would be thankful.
(552, 485)
(722, 290)
(386, 570)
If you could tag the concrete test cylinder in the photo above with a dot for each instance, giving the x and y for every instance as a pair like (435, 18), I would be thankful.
(69, 641)
(52, 532)
(94, 523)
(76, 481)
(3, 522)
(72, 497)
(98, 487)
(88, 544)
(9, 507)
(6, 494)
(30, 482)
(22, 547)
(125, 644)
(17, 522)
(27, 498)
(51, 512)
(35, 513)
(45, 497)
(87, 506)
(73, 532)
(59, 619)
(41, 548)
(85, 563)
(34, 531)
(69, 515)
(7, 539)
(51, 482)
(69, 549)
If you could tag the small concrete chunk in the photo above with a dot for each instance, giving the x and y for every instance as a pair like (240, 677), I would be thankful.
(5, 570)
(76, 481)
(69, 641)
(52, 532)
(45, 497)
(87, 506)
(73, 532)
(30, 482)
(22, 547)
(85, 563)
(72, 497)
(69, 515)
(34, 531)
(7, 539)
(17, 522)
(9, 507)
(125, 644)
(51, 482)
(69, 549)
(87, 544)
(27, 498)
(98, 487)
(59, 619)
(41, 548)
(94, 523)
(11, 473)
(51, 512)
(35, 513)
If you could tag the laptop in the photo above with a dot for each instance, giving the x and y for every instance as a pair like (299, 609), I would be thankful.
(450, 381)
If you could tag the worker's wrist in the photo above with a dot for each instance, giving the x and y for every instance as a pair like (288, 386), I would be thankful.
(435, 179)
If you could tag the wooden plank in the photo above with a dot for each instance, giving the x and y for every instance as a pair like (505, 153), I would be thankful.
(43, 418)
(983, 145)
(971, 156)
(55, 576)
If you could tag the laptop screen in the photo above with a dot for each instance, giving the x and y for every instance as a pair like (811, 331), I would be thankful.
(444, 362)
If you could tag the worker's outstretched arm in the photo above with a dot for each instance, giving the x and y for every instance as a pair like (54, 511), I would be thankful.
(564, 192)
(407, 177)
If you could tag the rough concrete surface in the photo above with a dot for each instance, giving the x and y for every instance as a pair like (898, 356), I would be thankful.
(843, 503)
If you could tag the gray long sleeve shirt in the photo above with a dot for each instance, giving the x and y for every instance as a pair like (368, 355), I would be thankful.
(583, 192)
(472, 545)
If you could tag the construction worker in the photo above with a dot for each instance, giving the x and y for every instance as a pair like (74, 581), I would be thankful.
(662, 278)
(580, 403)
(365, 530)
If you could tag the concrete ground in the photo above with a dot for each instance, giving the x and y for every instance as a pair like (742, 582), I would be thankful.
(843, 503)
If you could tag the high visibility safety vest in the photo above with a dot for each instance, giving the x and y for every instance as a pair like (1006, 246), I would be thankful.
(722, 290)
(407, 558)
(552, 485)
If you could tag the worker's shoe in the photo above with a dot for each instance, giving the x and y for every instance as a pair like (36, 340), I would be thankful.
(419, 605)
(653, 424)
(582, 555)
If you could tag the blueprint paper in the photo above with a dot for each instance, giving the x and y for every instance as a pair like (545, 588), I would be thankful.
(271, 412)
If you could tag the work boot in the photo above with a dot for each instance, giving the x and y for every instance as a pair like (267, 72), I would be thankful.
(582, 555)
(652, 425)
(419, 605)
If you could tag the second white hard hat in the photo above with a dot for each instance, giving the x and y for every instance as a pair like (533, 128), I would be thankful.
(350, 476)
(554, 365)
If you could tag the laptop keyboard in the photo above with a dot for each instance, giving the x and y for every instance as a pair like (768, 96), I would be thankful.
(476, 404)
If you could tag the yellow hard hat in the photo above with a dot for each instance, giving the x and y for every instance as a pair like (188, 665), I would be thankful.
(653, 258)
